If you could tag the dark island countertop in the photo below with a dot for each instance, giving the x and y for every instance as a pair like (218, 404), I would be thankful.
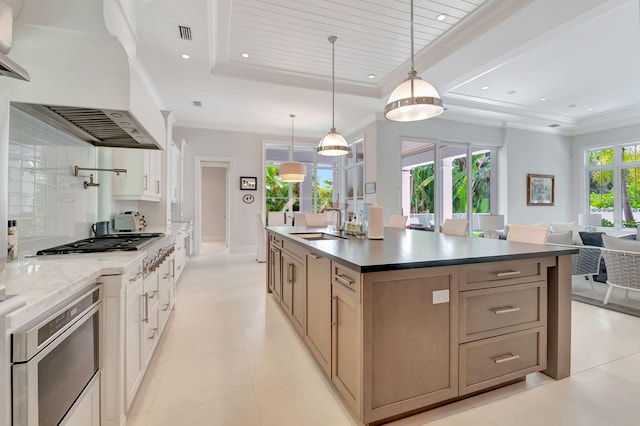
(408, 249)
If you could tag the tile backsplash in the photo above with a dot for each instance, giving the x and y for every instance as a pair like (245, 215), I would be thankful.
(50, 204)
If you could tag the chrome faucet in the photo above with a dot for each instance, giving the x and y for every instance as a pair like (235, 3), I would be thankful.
(334, 209)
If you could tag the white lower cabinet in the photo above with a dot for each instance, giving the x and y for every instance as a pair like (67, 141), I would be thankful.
(133, 340)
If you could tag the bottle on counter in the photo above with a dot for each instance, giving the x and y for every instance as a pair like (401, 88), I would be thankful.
(12, 240)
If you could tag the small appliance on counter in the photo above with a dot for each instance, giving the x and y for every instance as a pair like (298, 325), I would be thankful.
(129, 222)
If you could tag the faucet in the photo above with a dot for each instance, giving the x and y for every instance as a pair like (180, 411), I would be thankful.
(334, 209)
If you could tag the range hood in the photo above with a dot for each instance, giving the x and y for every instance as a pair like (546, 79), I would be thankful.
(82, 79)
(8, 68)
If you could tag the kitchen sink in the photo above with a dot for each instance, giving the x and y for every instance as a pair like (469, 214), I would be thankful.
(318, 236)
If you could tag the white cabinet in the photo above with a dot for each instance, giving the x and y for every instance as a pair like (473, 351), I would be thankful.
(180, 256)
(150, 325)
(174, 173)
(133, 337)
(143, 180)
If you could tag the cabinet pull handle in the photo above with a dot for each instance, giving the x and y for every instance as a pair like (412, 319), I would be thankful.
(165, 307)
(157, 186)
(154, 332)
(153, 295)
(345, 281)
(507, 274)
(506, 359)
(146, 307)
(290, 266)
(145, 182)
(505, 310)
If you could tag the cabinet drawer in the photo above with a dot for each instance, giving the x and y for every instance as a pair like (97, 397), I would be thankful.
(489, 362)
(347, 279)
(152, 290)
(295, 250)
(500, 310)
(483, 275)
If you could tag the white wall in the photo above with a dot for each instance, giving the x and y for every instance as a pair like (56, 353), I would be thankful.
(538, 153)
(214, 193)
(246, 151)
(4, 166)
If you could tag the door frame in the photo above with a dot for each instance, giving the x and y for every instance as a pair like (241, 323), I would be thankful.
(211, 161)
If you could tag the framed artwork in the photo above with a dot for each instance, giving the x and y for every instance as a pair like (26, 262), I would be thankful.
(248, 183)
(540, 190)
(370, 188)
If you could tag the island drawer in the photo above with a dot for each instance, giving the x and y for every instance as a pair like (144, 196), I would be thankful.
(295, 250)
(489, 362)
(492, 274)
(500, 310)
(348, 279)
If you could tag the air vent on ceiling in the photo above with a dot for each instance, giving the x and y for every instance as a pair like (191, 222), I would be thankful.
(554, 125)
(197, 103)
(185, 32)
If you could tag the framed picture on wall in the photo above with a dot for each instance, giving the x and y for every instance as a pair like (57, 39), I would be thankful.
(370, 188)
(540, 190)
(248, 183)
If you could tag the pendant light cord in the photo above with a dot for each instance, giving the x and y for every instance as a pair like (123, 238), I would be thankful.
(291, 152)
(333, 39)
(412, 73)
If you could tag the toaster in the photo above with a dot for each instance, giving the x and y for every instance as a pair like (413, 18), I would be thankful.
(129, 221)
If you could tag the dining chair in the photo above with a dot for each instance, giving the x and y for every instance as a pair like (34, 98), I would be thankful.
(275, 219)
(397, 221)
(455, 227)
(534, 234)
(316, 220)
(300, 218)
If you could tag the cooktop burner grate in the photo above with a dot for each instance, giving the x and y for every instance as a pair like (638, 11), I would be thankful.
(115, 242)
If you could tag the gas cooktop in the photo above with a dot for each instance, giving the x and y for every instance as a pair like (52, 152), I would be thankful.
(114, 242)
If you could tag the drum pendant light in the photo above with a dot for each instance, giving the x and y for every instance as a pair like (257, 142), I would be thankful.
(333, 144)
(414, 99)
(292, 172)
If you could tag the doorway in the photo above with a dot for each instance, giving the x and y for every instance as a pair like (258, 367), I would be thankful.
(213, 193)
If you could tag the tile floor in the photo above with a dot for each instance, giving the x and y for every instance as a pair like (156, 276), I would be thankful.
(229, 357)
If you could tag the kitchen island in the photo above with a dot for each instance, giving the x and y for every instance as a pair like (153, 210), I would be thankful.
(419, 319)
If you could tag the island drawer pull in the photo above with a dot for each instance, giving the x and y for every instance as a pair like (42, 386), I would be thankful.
(507, 274)
(345, 281)
(507, 358)
(506, 310)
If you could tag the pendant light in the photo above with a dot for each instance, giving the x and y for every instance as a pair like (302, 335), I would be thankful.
(414, 99)
(332, 144)
(292, 172)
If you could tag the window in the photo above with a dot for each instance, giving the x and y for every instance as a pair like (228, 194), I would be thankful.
(457, 188)
(330, 181)
(613, 175)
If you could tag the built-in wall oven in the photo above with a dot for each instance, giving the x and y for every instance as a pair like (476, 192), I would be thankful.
(54, 358)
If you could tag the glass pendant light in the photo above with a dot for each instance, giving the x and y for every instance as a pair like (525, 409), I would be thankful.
(333, 144)
(414, 99)
(292, 172)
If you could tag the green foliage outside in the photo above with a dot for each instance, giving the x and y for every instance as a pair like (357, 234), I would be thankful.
(277, 191)
(422, 191)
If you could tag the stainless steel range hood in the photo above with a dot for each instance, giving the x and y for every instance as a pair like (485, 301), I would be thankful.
(9, 68)
(83, 81)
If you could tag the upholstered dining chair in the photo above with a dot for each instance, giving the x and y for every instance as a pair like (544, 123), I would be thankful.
(397, 221)
(455, 227)
(534, 234)
(316, 220)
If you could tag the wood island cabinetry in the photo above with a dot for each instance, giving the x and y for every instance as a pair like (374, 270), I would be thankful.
(397, 340)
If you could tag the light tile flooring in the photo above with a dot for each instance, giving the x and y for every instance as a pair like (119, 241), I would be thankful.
(229, 357)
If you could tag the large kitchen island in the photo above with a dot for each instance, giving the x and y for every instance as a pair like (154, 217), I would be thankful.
(420, 319)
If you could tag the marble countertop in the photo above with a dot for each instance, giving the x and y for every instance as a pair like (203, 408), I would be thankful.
(39, 283)
(406, 249)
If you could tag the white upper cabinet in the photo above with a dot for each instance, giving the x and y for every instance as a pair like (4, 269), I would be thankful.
(143, 180)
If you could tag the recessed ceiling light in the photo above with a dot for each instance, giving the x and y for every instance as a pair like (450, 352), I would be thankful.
(245, 55)
(512, 92)
(543, 99)
(484, 87)
(185, 56)
(372, 76)
(589, 109)
(197, 103)
(441, 17)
